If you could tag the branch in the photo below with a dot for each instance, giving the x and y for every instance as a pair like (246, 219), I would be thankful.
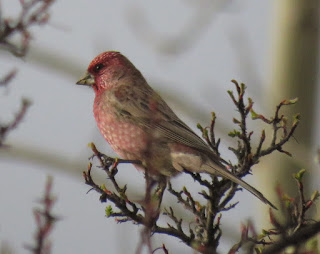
(5, 129)
(34, 12)
(45, 221)
(296, 239)
(8, 77)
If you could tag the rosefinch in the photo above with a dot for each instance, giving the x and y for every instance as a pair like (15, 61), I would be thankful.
(139, 125)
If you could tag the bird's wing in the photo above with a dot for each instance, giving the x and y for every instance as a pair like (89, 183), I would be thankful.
(146, 108)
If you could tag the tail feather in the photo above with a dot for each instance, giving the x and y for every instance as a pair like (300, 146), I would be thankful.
(217, 170)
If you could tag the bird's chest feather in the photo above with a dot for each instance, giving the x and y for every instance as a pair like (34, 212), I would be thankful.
(126, 138)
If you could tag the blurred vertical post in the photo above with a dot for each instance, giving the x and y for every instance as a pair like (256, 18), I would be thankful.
(294, 72)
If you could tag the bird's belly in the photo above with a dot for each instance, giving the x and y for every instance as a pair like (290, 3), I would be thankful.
(126, 139)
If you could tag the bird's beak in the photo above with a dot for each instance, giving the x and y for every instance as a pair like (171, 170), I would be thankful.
(87, 80)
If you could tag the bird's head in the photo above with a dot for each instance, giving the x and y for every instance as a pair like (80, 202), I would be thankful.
(105, 70)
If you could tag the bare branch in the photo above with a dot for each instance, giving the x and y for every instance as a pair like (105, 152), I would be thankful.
(5, 129)
(45, 221)
(34, 12)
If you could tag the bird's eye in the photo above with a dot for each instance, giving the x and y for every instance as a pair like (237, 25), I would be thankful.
(97, 67)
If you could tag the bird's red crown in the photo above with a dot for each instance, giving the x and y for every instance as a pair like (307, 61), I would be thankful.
(106, 59)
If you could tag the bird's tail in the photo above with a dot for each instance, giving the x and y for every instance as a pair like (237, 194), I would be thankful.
(220, 171)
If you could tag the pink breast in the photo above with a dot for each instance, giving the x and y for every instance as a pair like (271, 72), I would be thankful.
(126, 139)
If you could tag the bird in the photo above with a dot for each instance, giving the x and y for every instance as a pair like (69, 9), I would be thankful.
(139, 125)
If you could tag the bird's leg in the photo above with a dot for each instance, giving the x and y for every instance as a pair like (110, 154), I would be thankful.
(153, 198)
(108, 161)
(162, 184)
(116, 161)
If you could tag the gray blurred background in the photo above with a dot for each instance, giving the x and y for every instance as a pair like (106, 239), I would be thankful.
(188, 51)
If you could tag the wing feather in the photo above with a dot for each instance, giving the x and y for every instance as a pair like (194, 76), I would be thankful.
(147, 109)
